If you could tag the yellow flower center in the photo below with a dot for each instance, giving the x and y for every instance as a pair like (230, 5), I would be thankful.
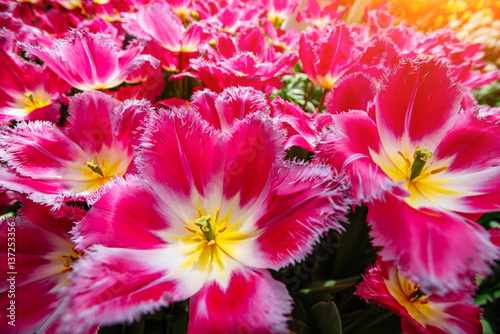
(69, 260)
(211, 239)
(206, 229)
(408, 294)
(182, 13)
(98, 172)
(417, 174)
(62, 264)
(32, 101)
(275, 18)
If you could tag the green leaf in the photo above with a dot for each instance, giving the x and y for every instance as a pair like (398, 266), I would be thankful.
(327, 318)
(331, 286)
(136, 327)
(299, 312)
(489, 220)
(488, 94)
(372, 319)
(486, 327)
(297, 327)
(355, 245)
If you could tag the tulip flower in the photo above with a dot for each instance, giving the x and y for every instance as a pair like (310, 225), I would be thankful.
(424, 169)
(419, 312)
(90, 61)
(205, 218)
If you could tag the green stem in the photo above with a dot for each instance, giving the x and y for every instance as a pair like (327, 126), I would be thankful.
(35, 22)
(180, 80)
(322, 100)
(369, 324)
(353, 244)
(308, 95)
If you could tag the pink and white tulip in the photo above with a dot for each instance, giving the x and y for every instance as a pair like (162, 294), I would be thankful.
(419, 312)
(99, 142)
(205, 218)
(328, 53)
(422, 167)
(44, 255)
(28, 91)
(90, 61)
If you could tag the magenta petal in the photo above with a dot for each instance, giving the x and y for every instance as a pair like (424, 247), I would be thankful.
(113, 285)
(58, 222)
(42, 246)
(253, 302)
(96, 120)
(307, 52)
(250, 158)
(337, 53)
(252, 39)
(226, 45)
(50, 113)
(352, 92)
(299, 126)
(127, 215)
(419, 104)
(234, 103)
(129, 119)
(89, 122)
(162, 24)
(328, 53)
(90, 61)
(437, 250)
(473, 145)
(192, 37)
(29, 316)
(204, 102)
(308, 200)
(28, 91)
(38, 150)
(57, 158)
(179, 149)
(348, 149)
(40, 191)
(35, 249)
(495, 236)
(432, 314)
(473, 149)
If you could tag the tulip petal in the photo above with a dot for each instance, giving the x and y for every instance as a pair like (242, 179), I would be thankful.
(351, 148)
(418, 106)
(180, 149)
(113, 285)
(436, 249)
(306, 203)
(253, 302)
(250, 158)
(127, 214)
(234, 103)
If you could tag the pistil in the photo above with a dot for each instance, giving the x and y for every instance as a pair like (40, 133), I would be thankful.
(420, 157)
(31, 98)
(206, 227)
(94, 167)
(33, 101)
